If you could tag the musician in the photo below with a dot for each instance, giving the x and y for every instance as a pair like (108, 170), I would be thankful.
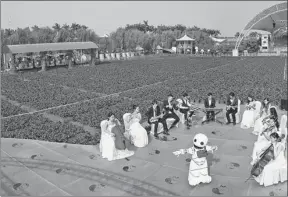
(232, 108)
(169, 108)
(271, 125)
(248, 117)
(210, 103)
(185, 109)
(155, 113)
(264, 112)
(275, 171)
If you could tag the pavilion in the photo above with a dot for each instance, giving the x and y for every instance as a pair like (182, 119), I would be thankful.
(10, 51)
(185, 44)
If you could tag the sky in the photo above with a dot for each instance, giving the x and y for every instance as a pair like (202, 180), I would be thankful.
(106, 16)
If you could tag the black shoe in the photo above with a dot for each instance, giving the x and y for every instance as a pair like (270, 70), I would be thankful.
(234, 123)
(228, 123)
(166, 133)
(156, 136)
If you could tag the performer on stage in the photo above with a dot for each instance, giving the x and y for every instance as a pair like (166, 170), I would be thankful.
(248, 118)
(114, 125)
(198, 170)
(265, 112)
(138, 134)
(276, 170)
(271, 125)
(185, 109)
(169, 112)
(232, 108)
(210, 103)
(155, 117)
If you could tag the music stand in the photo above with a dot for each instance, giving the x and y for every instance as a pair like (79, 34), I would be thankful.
(216, 111)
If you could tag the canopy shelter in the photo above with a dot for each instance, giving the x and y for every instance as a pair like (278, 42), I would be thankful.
(185, 44)
(269, 20)
(12, 50)
(138, 48)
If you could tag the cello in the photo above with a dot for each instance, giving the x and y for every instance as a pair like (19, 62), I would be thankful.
(263, 160)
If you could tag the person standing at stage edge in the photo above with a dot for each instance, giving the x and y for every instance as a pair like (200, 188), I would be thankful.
(232, 108)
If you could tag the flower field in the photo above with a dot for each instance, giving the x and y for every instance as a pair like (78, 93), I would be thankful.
(87, 94)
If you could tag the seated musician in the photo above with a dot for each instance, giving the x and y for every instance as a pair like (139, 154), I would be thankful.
(155, 117)
(232, 108)
(272, 170)
(210, 102)
(271, 125)
(185, 109)
(169, 112)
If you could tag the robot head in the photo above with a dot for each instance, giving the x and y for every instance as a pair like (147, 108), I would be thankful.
(200, 140)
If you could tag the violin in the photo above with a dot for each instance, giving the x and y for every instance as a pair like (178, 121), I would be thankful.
(271, 125)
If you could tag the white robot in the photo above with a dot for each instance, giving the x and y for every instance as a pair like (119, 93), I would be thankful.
(198, 170)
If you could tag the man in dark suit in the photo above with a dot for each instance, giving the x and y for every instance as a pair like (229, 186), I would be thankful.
(184, 108)
(210, 102)
(169, 112)
(155, 113)
(232, 108)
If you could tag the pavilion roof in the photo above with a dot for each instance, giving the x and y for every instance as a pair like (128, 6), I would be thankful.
(34, 48)
(159, 48)
(185, 38)
(138, 48)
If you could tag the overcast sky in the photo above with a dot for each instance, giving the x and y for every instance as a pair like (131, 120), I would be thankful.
(104, 17)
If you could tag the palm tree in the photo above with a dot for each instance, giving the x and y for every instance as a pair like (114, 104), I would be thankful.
(56, 27)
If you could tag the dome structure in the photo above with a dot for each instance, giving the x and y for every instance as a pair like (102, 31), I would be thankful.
(273, 19)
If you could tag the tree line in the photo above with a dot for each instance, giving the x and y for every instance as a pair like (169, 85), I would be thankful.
(122, 39)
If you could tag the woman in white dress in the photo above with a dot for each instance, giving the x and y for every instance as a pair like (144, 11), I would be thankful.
(265, 109)
(271, 125)
(248, 118)
(113, 144)
(138, 134)
(276, 170)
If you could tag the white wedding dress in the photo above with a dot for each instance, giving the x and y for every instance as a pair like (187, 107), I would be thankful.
(248, 119)
(107, 144)
(262, 142)
(258, 127)
(276, 170)
(138, 134)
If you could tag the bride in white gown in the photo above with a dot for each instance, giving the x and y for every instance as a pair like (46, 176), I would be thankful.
(276, 170)
(265, 112)
(138, 134)
(272, 125)
(111, 140)
(248, 118)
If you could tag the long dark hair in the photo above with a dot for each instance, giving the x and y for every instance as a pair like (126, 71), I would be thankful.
(276, 136)
(274, 116)
(110, 114)
(250, 96)
(265, 106)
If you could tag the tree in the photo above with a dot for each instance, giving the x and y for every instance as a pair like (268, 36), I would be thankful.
(253, 34)
(56, 27)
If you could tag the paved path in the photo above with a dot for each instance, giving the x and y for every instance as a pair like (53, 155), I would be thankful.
(51, 169)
